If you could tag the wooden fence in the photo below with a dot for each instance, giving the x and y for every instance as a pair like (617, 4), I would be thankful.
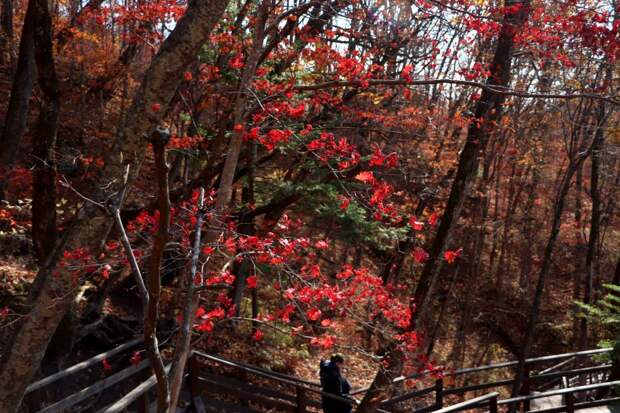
(216, 384)
(89, 394)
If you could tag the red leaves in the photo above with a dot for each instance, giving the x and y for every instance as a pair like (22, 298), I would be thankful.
(415, 224)
(252, 135)
(349, 68)
(409, 340)
(330, 150)
(231, 245)
(406, 73)
(223, 277)
(419, 255)
(187, 76)
(200, 312)
(205, 327)
(238, 128)
(217, 314)
(433, 218)
(313, 314)
(251, 281)
(105, 271)
(7, 216)
(106, 365)
(380, 159)
(321, 245)
(258, 336)
(297, 112)
(136, 358)
(325, 341)
(208, 318)
(451, 256)
(366, 177)
(275, 137)
(286, 312)
(236, 62)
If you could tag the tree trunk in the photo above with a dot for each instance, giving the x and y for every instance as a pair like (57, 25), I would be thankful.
(151, 316)
(44, 231)
(382, 384)
(227, 177)
(595, 220)
(544, 271)
(182, 345)
(616, 279)
(6, 33)
(488, 111)
(21, 90)
(51, 300)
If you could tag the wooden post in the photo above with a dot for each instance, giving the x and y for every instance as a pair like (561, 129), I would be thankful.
(194, 370)
(493, 404)
(143, 404)
(525, 389)
(439, 393)
(302, 400)
(569, 399)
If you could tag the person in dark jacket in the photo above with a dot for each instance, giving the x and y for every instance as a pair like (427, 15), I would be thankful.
(333, 382)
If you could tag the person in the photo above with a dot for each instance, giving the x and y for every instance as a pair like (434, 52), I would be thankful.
(332, 382)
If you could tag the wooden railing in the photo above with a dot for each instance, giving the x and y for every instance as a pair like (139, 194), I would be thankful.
(218, 383)
(271, 390)
(489, 400)
(85, 395)
(546, 377)
(570, 401)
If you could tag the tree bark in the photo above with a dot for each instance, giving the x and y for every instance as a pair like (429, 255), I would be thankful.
(383, 382)
(182, 347)
(488, 112)
(17, 112)
(227, 177)
(54, 293)
(44, 232)
(6, 32)
(159, 139)
(595, 195)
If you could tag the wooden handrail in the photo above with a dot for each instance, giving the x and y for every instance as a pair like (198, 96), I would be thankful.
(62, 405)
(578, 405)
(291, 381)
(410, 395)
(133, 395)
(468, 403)
(469, 370)
(257, 370)
(558, 392)
(82, 365)
(534, 378)
(557, 366)
(506, 364)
